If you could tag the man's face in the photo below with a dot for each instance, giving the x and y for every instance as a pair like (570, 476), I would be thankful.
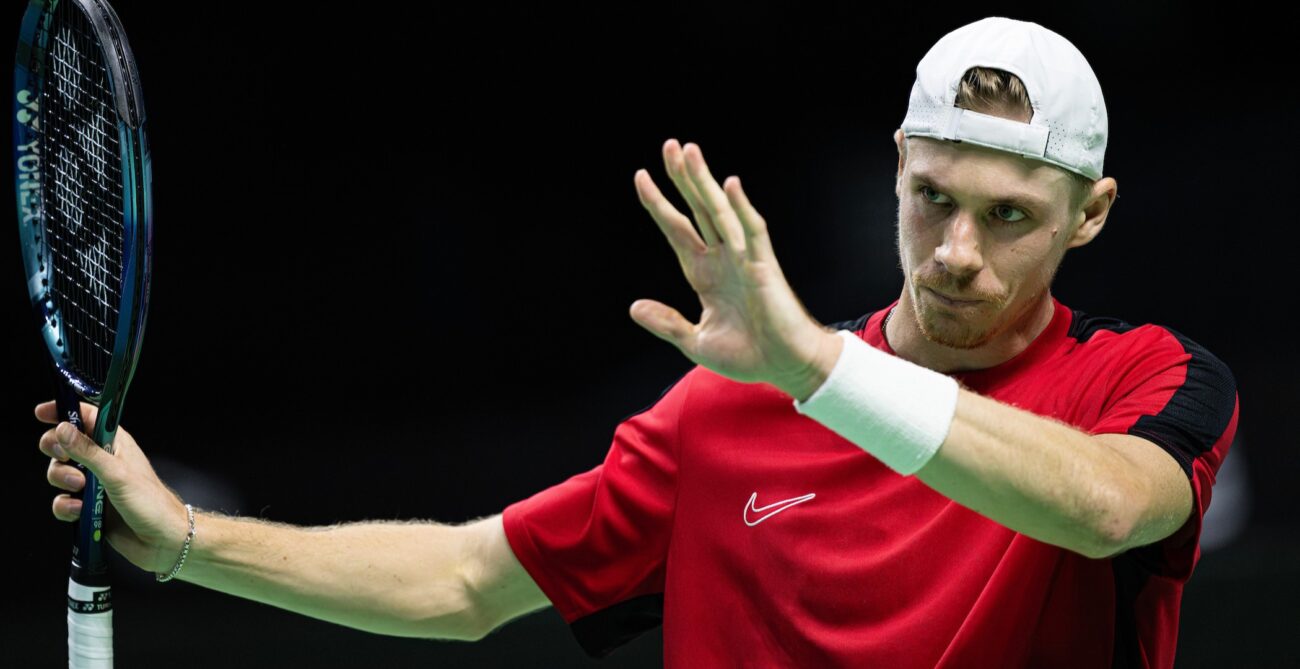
(982, 226)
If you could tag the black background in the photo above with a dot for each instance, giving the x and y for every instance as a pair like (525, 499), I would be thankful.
(396, 245)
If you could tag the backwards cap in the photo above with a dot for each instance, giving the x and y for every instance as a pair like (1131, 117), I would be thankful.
(1068, 127)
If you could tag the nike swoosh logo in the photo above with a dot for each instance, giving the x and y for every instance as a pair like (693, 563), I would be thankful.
(771, 509)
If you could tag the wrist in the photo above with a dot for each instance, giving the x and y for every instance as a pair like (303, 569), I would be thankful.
(170, 537)
(896, 410)
(187, 542)
(825, 354)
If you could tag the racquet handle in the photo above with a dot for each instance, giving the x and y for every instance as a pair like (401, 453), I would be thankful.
(90, 599)
(90, 626)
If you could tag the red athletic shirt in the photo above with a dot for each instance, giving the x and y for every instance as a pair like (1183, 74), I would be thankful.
(758, 537)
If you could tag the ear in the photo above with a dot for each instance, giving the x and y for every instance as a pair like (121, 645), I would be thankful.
(1096, 207)
(901, 141)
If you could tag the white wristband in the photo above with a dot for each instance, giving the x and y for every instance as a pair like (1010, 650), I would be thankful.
(896, 410)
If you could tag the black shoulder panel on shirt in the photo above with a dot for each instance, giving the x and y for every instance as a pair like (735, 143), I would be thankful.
(1083, 326)
(1198, 412)
(601, 632)
(852, 325)
(1196, 416)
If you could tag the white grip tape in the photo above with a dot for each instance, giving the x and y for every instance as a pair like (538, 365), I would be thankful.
(90, 635)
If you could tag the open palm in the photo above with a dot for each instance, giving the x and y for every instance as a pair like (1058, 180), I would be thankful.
(752, 326)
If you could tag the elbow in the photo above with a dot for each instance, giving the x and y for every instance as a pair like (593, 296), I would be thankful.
(457, 612)
(460, 622)
(451, 607)
(444, 609)
(1105, 543)
(476, 618)
(474, 625)
(1113, 522)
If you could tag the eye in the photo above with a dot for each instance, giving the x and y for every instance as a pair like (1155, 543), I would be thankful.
(1014, 216)
(1007, 207)
(925, 193)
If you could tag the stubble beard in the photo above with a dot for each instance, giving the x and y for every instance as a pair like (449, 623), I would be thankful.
(947, 330)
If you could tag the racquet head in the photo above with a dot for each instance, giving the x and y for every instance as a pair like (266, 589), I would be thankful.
(82, 180)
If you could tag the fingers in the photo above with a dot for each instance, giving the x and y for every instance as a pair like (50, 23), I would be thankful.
(758, 246)
(65, 476)
(713, 200)
(49, 445)
(48, 412)
(664, 322)
(675, 226)
(65, 442)
(67, 507)
(721, 217)
(676, 168)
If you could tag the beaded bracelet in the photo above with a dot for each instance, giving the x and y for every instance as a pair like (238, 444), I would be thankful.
(185, 549)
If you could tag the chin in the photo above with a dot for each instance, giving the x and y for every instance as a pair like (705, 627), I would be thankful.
(957, 338)
(946, 331)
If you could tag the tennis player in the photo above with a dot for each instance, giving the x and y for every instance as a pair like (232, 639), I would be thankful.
(974, 475)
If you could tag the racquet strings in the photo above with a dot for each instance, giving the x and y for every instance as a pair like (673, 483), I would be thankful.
(82, 177)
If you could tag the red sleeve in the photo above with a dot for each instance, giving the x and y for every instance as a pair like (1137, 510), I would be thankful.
(601, 538)
(1177, 395)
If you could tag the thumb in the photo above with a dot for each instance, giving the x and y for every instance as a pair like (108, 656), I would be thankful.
(663, 321)
(84, 450)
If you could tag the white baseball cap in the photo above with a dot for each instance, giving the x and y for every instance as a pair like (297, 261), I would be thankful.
(1068, 127)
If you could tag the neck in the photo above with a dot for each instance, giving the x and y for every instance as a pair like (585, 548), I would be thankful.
(906, 339)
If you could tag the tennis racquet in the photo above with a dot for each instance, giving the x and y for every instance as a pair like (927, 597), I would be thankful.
(83, 181)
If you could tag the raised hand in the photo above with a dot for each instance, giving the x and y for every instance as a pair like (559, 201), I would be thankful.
(145, 521)
(752, 327)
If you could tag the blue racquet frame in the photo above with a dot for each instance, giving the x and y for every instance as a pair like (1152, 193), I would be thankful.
(89, 593)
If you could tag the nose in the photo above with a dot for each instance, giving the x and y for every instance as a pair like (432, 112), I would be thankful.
(960, 251)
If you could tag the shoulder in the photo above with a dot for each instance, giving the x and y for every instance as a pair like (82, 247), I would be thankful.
(1159, 381)
(1148, 344)
(1159, 384)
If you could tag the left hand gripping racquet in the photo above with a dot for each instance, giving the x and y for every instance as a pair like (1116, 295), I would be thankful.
(83, 181)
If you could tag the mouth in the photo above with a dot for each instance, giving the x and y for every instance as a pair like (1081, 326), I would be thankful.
(950, 302)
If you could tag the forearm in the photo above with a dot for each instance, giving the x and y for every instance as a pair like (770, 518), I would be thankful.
(1033, 475)
(416, 579)
(402, 579)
